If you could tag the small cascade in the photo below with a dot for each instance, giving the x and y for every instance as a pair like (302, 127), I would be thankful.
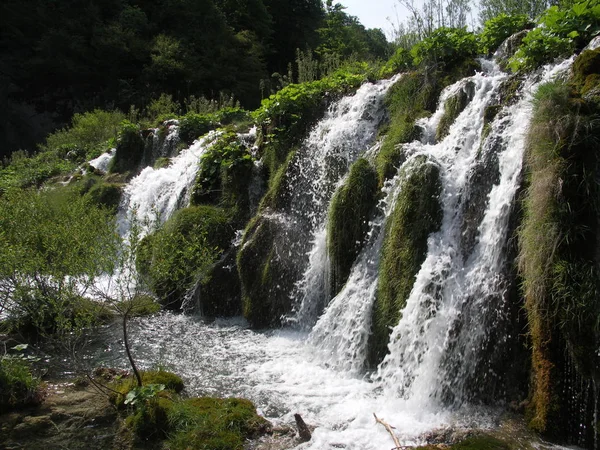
(152, 196)
(346, 132)
(457, 298)
(102, 162)
(161, 142)
(341, 333)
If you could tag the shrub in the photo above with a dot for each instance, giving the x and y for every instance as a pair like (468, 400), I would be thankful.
(445, 48)
(497, 30)
(561, 31)
(18, 386)
(192, 126)
(172, 258)
(91, 134)
(400, 61)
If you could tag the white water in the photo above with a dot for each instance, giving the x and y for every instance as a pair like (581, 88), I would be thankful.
(346, 132)
(102, 162)
(323, 379)
(152, 196)
(436, 345)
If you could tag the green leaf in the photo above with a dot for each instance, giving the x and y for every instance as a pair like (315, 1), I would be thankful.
(20, 347)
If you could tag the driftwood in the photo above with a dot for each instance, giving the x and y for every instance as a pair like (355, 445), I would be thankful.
(303, 430)
(389, 429)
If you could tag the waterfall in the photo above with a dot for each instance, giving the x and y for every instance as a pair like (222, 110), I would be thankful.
(151, 197)
(436, 348)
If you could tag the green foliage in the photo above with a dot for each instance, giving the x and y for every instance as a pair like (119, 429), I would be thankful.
(162, 108)
(225, 171)
(130, 149)
(416, 215)
(172, 258)
(55, 243)
(192, 126)
(25, 171)
(90, 134)
(401, 61)
(348, 221)
(561, 31)
(445, 48)
(154, 382)
(498, 29)
(149, 420)
(285, 116)
(18, 386)
(141, 394)
(214, 423)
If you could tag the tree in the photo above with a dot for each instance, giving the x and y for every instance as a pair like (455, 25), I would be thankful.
(55, 244)
(488, 9)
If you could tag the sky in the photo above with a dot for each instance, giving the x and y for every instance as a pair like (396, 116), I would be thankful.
(374, 13)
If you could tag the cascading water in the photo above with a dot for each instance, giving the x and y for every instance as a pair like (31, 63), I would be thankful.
(347, 131)
(152, 196)
(434, 350)
(436, 347)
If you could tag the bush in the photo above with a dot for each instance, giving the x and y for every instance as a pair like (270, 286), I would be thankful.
(445, 48)
(192, 126)
(497, 30)
(401, 61)
(171, 259)
(18, 386)
(561, 31)
(224, 172)
(92, 133)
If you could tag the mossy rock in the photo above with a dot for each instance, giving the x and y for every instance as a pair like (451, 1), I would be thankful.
(417, 213)
(214, 423)
(205, 224)
(130, 150)
(121, 387)
(349, 220)
(150, 421)
(483, 442)
(19, 387)
(106, 194)
(219, 293)
(452, 108)
(266, 279)
(586, 74)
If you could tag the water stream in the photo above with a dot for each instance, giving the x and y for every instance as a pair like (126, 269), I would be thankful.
(435, 352)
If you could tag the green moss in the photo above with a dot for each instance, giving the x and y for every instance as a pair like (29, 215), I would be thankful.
(349, 220)
(482, 443)
(121, 387)
(214, 423)
(162, 162)
(452, 108)
(106, 194)
(557, 243)
(586, 73)
(416, 215)
(171, 258)
(276, 196)
(224, 175)
(130, 149)
(254, 268)
(150, 421)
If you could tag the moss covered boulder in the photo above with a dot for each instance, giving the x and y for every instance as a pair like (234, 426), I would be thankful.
(130, 149)
(172, 259)
(349, 220)
(453, 107)
(416, 215)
